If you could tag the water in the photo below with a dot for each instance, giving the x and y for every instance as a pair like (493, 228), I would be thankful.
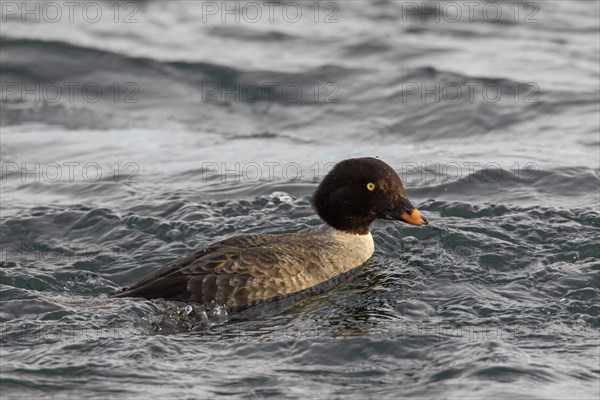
(127, 144)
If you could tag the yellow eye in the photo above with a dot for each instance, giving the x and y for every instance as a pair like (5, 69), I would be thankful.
(370, 186)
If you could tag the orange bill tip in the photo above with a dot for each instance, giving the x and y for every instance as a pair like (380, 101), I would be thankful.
(414, 217)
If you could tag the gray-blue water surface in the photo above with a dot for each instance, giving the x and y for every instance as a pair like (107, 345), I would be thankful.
(137, 134)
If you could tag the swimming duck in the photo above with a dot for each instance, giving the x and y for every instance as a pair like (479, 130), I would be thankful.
(247, 269)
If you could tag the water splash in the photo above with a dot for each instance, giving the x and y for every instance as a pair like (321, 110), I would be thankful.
(176, 317)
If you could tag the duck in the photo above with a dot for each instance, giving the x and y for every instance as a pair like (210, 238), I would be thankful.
(249, 269)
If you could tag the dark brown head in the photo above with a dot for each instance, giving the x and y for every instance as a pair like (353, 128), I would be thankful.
(360, 190)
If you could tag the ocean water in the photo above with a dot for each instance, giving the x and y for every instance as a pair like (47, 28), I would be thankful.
(133, 133)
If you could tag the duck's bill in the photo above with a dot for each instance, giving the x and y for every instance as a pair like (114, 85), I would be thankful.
(405, 211)
(413, 217)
